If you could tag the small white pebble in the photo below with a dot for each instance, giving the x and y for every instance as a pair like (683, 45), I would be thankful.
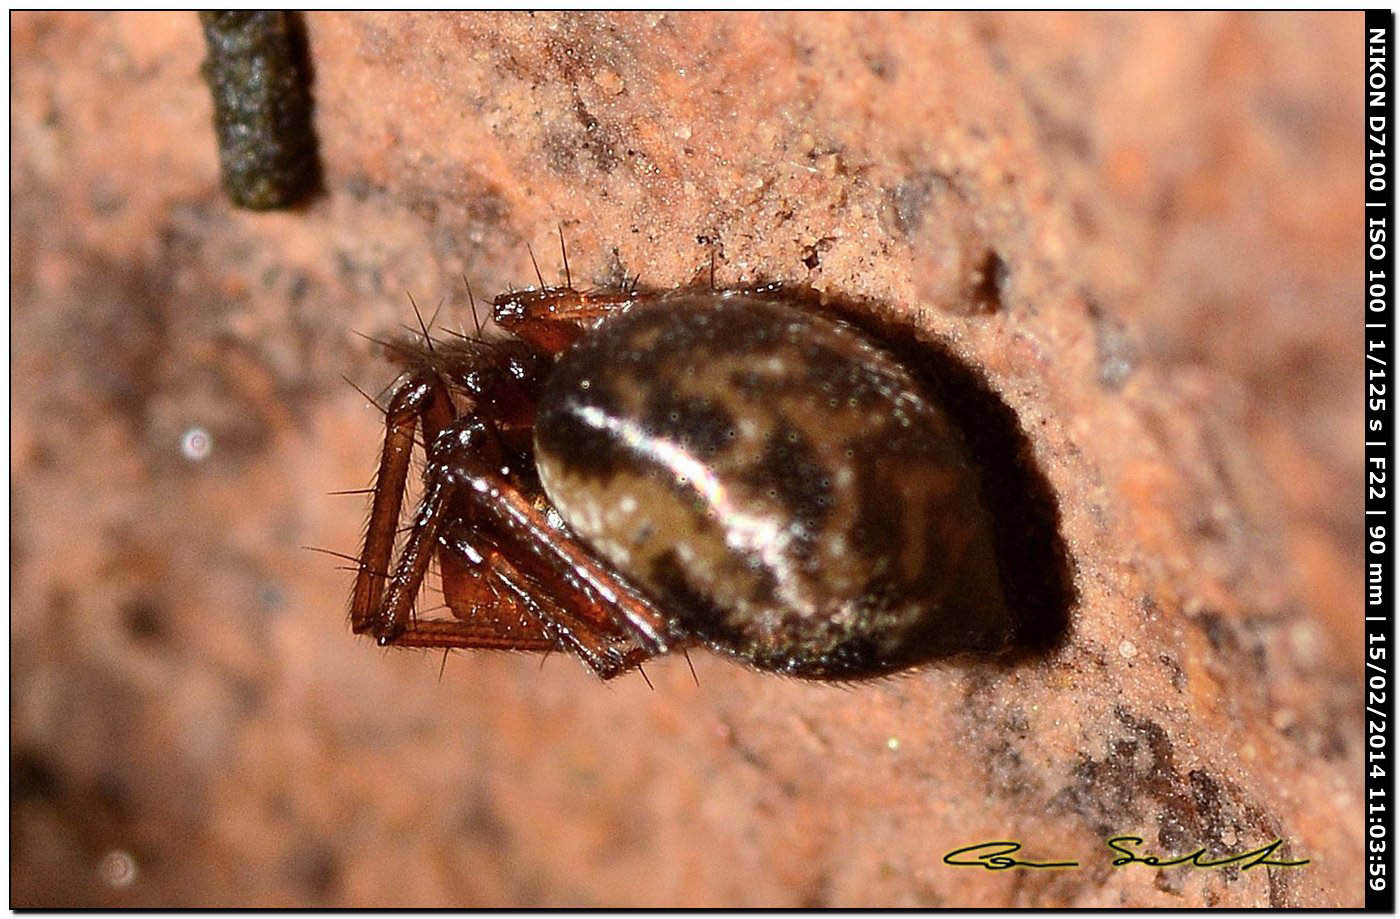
(1127, 649)
(117, 868)
(892, 743)
(196, 444)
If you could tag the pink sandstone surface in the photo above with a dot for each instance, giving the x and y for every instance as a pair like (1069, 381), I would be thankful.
(1171, 201)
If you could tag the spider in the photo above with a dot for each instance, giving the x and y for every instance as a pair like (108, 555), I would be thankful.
(628, 473)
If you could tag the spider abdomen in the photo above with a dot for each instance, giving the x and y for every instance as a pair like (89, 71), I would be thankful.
(783, 488)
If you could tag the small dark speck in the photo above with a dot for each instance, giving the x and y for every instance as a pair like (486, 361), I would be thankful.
(300, 286)
(246, 694)
(882, 66)
(357, 275)
(991, 278)
(105, 200)
(32, 775)
(144, 619)
(1217, 631)
(361, 188)
(481, 819)
(812, 255)
(1178, 676)
(1084, 218)
(315, 868)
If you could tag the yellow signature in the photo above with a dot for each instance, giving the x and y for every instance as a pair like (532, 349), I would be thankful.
(997, 855)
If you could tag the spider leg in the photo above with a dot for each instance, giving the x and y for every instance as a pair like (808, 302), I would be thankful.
(601, 618)
(422, 397)
(591, 610)
(487, 618)
(392, 611)
(552, 318)
(488, 635)
(482, 586)
(512, 579)
(606, 648)
(395, 613)
(487, 628)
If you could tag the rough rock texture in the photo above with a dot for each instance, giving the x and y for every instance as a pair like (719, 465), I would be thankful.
(1142, 229)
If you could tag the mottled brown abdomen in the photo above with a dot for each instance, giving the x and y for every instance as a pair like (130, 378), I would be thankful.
(781, 486)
